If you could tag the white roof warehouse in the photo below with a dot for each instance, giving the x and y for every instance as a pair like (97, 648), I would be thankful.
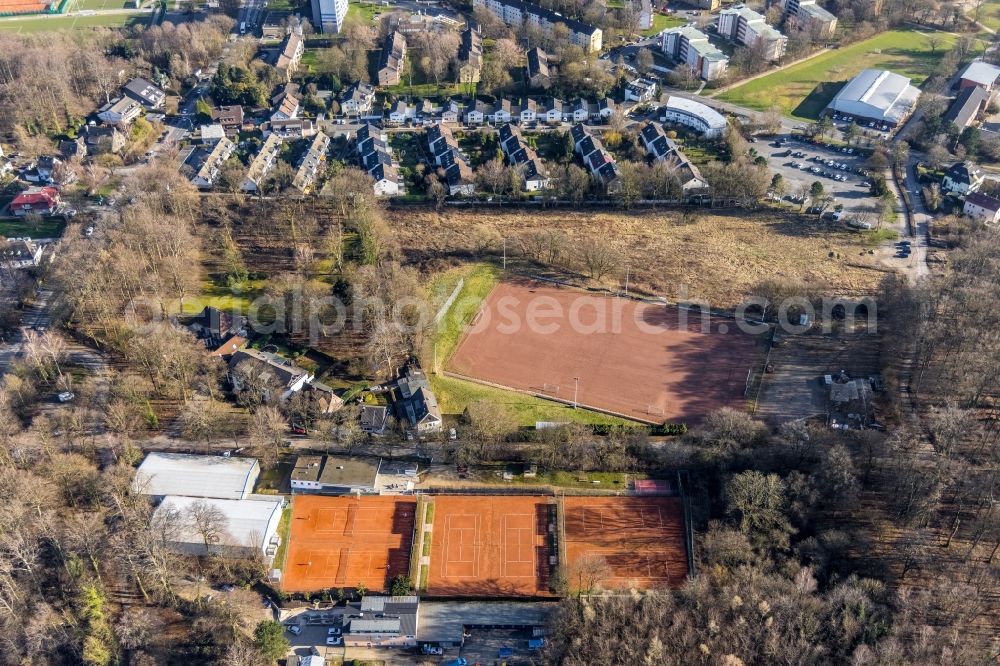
(877, 94)
(236, 527)
(218, 477)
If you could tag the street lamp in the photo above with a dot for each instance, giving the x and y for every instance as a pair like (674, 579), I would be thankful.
(576, 389)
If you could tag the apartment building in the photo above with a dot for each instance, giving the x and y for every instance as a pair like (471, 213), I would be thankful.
(808, 15)
(691, 47)
(470, 56)
(390, 64)
(329, 15)
(748, 28)
(209, 168)
(515, 13)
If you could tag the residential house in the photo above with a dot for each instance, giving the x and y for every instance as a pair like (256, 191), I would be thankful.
(522, 157)
(215, 326)
(501, 112)
(312, 162)
(357, 100)
(808, 16)
(401, 112)
(288, 105)
(605, 108)
(965, 110)
(537, 70)
(19, 253)
(979, 74)
(663, 149)
(38, 200)
(290, 55)
(291, 128)
(230, 117)
(517, 13)
(122, 112)
(102, 140)
(689, 46)
(746, 27)
(212, 133)
(550, 110)
(595, 158)
(374, 419)
(211, 163)
(262, 164)
(144, 92)
(962, 178)
(451, 112)
(414, 402)
(324, 399)
(230, 347)
(376, 158)
(390, 65)
(278, 376)
(70, 148)
(640, 90)
(476, 114)
(470, 56)
(579, 111)
(982, 207)
(528, 111)
(444, 150)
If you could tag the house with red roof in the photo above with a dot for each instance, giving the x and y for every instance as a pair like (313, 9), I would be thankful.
(41, 200)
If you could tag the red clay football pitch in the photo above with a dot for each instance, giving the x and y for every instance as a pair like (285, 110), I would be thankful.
(643, 361)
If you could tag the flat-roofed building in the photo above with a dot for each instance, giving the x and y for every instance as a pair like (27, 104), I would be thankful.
(700, 117)
(517, 13)
(335, 476)
(690, 47)
(219, 477)
(748, 28)
(807, 15)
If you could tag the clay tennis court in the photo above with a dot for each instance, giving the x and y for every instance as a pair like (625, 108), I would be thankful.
(643, 361)
(641, 539)
(22, 6)
(489, 545)
(344, 541)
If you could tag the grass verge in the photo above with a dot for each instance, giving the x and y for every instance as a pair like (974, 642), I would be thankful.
(804, 90)
(662, 22)
(479, 282)
(51, 227)
(284, 526)
(454, 395)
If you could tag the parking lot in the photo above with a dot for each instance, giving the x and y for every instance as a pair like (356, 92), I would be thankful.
(841, 171)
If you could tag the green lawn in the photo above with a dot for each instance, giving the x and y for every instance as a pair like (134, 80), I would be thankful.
(51, 227)
(78, 5)
(989, 14)
(597, 480)
(43, 24)
(223, 298)
(454, 395)
(804, 90)
(662, 22)
(284, 526)
(479, 281)
(424, 89)
(364, 11)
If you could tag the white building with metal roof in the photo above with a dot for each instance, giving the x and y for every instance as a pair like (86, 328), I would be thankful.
(704, 119)
(220, 477)
(236, 528)
(876, 94)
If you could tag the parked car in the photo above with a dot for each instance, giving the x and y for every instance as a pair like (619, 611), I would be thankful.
(334, 640)
(427, 648)
(333, 631)
(452, 434)
(293, 629)
(461, 661)
(65, 396)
